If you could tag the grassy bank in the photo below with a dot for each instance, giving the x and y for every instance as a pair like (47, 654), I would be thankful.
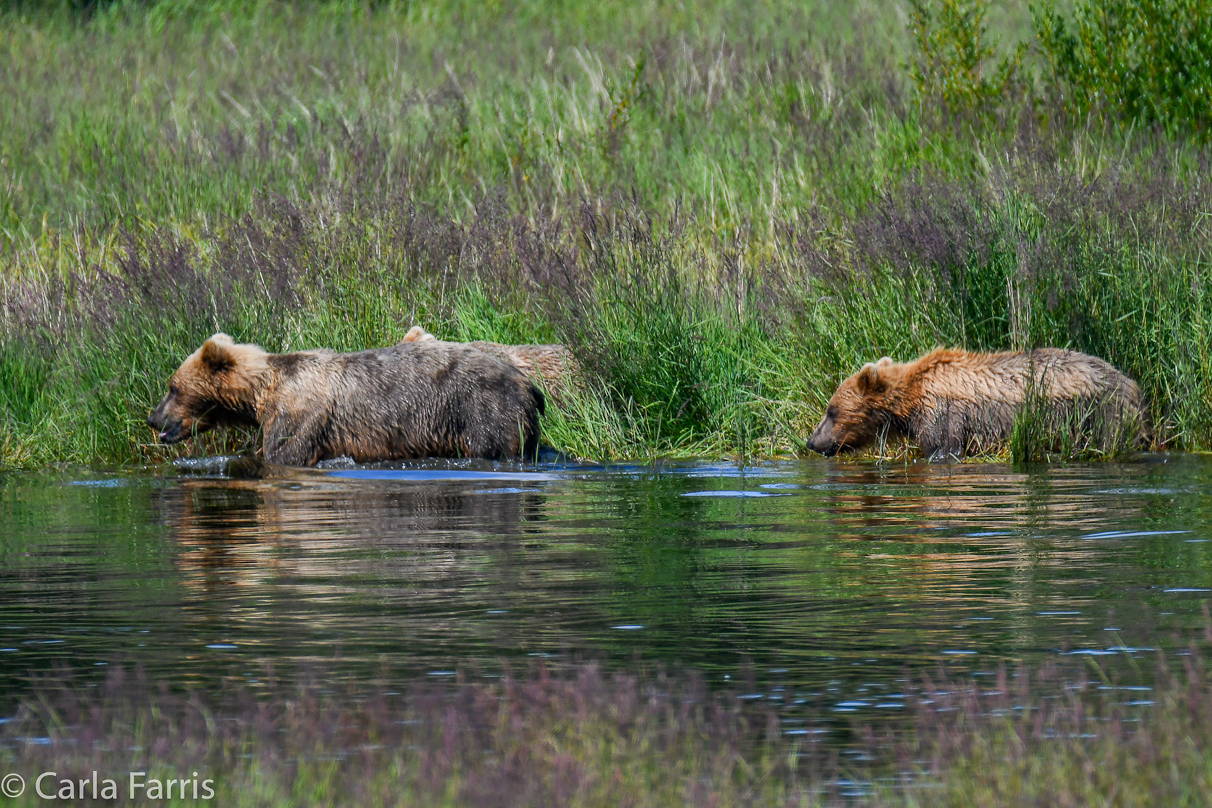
(721, 210)
(578, 737)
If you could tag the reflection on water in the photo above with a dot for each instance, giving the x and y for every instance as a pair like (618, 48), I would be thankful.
(834, 579)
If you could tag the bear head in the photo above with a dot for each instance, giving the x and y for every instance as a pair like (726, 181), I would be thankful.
(858, 410)
(217, 385)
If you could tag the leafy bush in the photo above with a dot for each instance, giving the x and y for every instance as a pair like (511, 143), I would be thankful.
(953, 60)
(1148, 60)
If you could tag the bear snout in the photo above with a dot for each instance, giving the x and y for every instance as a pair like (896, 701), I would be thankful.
(168, 430)
(821, 443)
(156, 419)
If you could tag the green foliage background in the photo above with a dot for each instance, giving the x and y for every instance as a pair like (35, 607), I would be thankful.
(722, 209)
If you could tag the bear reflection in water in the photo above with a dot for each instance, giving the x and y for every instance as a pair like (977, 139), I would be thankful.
(989, 514)
(926, 500)
(325, 534)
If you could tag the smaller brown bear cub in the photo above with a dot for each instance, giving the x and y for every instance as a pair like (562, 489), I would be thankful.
(955, 403)
(552, 366)
(432, 399)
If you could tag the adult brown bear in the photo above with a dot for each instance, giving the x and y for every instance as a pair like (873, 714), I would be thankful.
(954, 402)
(427, 399)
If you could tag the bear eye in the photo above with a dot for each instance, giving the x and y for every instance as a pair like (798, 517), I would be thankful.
(831, 412)
(172, 390)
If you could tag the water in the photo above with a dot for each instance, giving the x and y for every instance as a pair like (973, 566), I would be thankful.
(837, 582)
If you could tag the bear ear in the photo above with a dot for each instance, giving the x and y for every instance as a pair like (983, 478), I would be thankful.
(884, 362)
(217, 354)
(868, 379)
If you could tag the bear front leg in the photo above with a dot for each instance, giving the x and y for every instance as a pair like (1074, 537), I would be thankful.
(955, 446)
(942, 433)
(287, 443)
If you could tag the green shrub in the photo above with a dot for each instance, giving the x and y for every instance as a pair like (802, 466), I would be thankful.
(954, 57)
(1147, 60)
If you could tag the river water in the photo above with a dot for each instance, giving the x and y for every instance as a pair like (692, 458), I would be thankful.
(837, 579)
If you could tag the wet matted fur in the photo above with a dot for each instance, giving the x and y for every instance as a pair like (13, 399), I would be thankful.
(426, 399)
(552, 366)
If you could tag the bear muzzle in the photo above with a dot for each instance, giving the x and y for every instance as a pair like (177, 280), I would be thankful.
(167, 428)
(827, 449)
(822, 443)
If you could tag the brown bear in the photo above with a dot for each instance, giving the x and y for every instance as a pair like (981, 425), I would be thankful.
(954, 402)
(429, 399)
(552, 366)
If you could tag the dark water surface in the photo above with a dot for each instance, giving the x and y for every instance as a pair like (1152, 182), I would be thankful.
(831, 578)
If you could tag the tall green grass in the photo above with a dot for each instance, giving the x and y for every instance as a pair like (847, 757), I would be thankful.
(722, 210)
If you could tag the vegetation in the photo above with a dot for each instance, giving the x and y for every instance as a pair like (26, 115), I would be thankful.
(721, 209)
(1143, 59)
(580, 738)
